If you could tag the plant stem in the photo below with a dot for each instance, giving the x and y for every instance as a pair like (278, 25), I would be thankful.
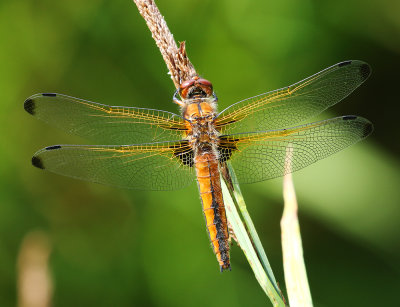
(178, 63)
(247, 237)
(181, 69)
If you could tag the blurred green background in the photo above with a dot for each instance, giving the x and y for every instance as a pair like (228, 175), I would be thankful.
(114, 247)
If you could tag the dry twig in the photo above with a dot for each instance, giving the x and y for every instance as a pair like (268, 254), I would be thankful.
(178, 63)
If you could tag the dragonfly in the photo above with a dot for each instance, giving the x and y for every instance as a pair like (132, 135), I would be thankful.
(149, 149)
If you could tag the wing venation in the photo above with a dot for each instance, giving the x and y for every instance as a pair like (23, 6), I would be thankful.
(105, 124)
(154, 166)
(265, 155)
(293, 104)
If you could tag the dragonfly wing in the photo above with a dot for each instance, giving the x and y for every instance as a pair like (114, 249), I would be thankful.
(260, 156)
(155, 166)
(293, 104)
(105, 124)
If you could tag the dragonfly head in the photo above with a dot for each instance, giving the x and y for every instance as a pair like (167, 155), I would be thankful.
(196, 88)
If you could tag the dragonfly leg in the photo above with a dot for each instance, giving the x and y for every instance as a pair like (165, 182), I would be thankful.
(177, 101)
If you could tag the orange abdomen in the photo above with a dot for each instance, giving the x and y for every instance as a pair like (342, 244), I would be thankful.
(208, 179)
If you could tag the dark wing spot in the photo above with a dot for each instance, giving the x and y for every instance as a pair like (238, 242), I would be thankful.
(365, 71)
(37, 162)
(29, 106)
(349, 117)
(226, 148)
(184, 153)
(344, 63)
(224, 154)
(53, 147)
(368, 130)
(49, 94)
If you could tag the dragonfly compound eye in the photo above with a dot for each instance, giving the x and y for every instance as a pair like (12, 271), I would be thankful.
(206, 86)
(185, 86)
(196, 87)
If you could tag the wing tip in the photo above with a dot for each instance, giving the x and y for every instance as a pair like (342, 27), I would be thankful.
(364, 68)
(29, 106)
(30, 103)
(37, 162)
(365, 71)
(367, 127)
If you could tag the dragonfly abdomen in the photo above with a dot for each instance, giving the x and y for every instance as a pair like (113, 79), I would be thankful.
(209, 184)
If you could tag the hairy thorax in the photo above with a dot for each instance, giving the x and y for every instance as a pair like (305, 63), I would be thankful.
(202, 134)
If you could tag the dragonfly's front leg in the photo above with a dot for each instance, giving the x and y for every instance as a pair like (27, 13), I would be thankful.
(176, 100)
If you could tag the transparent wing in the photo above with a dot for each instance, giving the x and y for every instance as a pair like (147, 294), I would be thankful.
(105, 124)
(155, 166)
(293, 104)
(264, 155)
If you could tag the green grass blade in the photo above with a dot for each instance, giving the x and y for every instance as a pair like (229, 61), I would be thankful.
(293, 262)
(261, 268)
(238, 197)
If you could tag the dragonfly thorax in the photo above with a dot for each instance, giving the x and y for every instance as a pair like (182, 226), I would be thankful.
(203, 131)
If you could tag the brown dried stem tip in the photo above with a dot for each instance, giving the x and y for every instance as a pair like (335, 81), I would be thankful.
(179, 66)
